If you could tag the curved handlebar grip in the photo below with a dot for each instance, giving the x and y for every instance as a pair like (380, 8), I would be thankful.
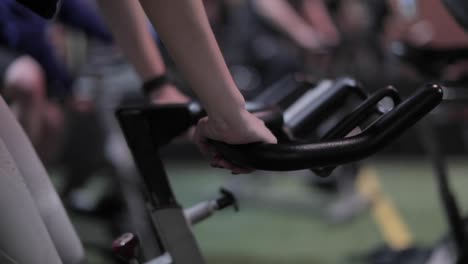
(362, 112)
(288, 157)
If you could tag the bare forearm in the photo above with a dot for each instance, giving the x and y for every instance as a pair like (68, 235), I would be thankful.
(128, 24)
(282, 15)
(185, 30)
(316, 12)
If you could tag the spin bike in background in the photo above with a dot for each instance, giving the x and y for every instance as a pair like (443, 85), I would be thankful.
(308, 114)
(148, 129)
(430, 62)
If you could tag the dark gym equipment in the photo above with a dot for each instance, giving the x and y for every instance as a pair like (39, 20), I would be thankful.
(430, 62)
(277, 157)
(147, 129)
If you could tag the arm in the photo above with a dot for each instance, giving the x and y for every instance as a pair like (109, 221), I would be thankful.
(317, 14)
(184, 28)
(135, 39)
(283, 16)
(129, 27)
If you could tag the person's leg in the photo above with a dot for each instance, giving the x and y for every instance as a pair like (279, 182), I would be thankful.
(35, 176)
(52, 133)
(24, 237)
(24, 84)
(25, 87)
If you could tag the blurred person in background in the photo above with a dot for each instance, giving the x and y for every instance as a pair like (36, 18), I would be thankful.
(310, 27)
(427, 24)
(360, 54)
(35, 76)
(185, 29)
(424, 23)
(306, 22)
(263, 41)
(38, 76)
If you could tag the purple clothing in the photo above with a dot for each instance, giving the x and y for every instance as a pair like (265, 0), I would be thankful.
(24, 32)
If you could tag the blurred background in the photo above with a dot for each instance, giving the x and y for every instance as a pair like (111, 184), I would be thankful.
(64, 80)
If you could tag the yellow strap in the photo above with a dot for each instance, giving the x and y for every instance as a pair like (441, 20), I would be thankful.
(389, 221)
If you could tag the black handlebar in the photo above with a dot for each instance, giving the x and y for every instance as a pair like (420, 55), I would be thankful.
(288, 157)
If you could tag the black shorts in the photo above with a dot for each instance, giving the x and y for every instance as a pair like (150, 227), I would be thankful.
(7, 57)
(44, 8)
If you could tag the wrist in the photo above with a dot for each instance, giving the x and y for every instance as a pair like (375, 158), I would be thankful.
(223, 103)
(154, 84)
(228, 121)
(226, 107)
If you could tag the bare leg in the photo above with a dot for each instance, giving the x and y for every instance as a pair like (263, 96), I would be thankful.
(41, 119)
(44, 195)
(23, 235)
(52, 133)
(25, 85)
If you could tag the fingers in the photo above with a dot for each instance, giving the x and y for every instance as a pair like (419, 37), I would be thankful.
(219, 162)
(200, 139)
(248, 129)
(269, 137)
(266, 135)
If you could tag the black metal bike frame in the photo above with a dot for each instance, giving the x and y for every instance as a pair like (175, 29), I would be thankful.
(145, 137)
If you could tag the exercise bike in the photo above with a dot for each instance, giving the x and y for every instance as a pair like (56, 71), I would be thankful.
(147, 129)
(429, 62)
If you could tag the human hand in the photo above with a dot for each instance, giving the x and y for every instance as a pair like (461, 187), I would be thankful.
(306, 38)
(245, 129)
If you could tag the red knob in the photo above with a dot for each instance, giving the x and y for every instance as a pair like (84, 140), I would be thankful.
(126, 246)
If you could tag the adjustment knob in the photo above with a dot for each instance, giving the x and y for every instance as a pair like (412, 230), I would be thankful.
(227, 199)
(126, 246)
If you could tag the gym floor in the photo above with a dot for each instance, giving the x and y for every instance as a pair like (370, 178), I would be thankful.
(288, 234)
